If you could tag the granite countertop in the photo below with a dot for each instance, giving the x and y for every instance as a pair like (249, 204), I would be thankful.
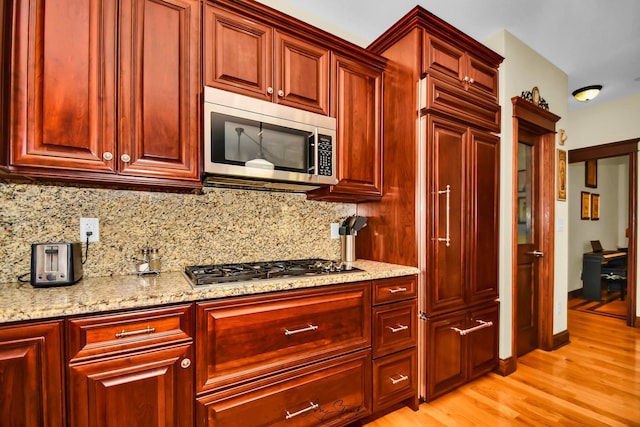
(21, 301)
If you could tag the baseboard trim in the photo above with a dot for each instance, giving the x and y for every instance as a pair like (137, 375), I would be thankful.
(506, 366)
(561, 339)
(576, 293)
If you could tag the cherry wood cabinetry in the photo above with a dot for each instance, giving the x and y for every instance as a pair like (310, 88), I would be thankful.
(357, 90)
(462, 346)
(239, 340)
(330, 393)
(31, 375)
(439, 211)
(251, 57)
(133, 368)
(106, 91)
(394, 341)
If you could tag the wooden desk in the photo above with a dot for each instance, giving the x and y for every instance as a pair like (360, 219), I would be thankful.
(599, 266)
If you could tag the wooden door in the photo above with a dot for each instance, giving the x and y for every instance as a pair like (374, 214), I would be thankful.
(448, 211)
(31, 375)
(301, 74)
(63, 85)
(482, 259)
(144, 389)
(527, 287)
(238, 53)
(159, 86)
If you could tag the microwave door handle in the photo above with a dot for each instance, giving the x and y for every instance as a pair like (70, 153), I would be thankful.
(316, 149)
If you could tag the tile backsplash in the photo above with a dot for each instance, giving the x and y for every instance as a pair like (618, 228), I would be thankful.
(218, 226)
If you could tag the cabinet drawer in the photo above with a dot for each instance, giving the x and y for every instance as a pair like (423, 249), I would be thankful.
(395, 378)
(113, 333)
(394, 289)
(331, 393)
(445, 98)
(394, 327)
(246, 338)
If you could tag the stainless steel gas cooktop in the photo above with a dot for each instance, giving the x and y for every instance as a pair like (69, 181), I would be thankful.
(224, 273)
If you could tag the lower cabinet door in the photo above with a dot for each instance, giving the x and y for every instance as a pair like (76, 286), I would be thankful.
(395, 378)
(445, 358)
(31, 375)
(331, 393)
(153, 388)
(483, 341)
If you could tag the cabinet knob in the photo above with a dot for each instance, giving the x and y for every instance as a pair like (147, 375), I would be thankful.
(471, 80)
(107, 156)
(125, 158)
(269, 90)
(185, 363)
(281, 93)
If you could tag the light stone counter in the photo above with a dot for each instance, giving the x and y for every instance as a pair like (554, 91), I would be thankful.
(21, 301)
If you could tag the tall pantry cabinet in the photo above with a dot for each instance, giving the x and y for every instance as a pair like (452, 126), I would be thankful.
(439, 211)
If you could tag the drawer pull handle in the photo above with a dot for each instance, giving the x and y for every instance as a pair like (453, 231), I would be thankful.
(125, 334)
(482, 325)
(301, 411)
(395, 381)
(398, 329)
(297, 331)
(396, 290)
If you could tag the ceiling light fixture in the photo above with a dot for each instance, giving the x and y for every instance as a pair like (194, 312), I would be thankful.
(587, 93)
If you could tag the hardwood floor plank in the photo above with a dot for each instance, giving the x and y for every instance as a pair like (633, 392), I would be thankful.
(592, 381)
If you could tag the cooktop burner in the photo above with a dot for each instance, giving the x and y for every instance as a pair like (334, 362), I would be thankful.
(223, 273)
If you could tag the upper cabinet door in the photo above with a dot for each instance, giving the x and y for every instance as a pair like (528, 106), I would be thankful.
(62, 110)
(238, 53)
(158, 90)
(302, 74)
(358, 108)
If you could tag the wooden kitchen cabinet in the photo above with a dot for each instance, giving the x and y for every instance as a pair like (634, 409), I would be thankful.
(463, 67)
(439, 210)
(463, 249)
(132, 368)
(335, 392)
(394, 343)
(358, 104)
(246, 54)
(240, 340)
(31, 375)
(106, 91)
(460, 347)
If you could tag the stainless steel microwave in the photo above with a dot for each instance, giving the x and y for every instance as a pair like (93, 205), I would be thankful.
(253, 143)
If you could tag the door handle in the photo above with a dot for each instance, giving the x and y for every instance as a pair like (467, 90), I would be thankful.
(537, 254)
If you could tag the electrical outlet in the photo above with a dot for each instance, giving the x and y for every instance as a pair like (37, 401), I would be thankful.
(335, 230)
(89, 225)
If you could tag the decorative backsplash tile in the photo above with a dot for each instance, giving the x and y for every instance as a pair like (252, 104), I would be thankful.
(218, 226)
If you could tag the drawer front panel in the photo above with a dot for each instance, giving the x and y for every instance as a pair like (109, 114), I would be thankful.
(252, 337)
(452, 101)
(331, 393)
(114, 333)
(394, 327)
(395, 378)
(394, 289)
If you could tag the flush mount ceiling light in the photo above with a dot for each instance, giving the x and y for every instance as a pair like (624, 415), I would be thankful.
(587, 93)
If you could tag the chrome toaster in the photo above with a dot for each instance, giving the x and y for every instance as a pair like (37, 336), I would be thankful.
(55, 264)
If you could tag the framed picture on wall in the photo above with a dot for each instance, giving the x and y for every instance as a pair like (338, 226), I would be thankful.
(585, 205)
(562, 175)
(591, 173)
(595, 206)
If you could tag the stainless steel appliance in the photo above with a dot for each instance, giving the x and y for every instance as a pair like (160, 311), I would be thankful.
(224, 273)
(55, 264)
(253, 143)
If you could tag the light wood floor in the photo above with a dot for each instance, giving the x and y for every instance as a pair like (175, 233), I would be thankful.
(593, 381)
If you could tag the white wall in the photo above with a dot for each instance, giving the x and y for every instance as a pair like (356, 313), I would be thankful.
(523, 69)
(613, 188)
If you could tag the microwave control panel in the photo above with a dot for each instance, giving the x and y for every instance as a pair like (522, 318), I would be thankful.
(325, 155)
